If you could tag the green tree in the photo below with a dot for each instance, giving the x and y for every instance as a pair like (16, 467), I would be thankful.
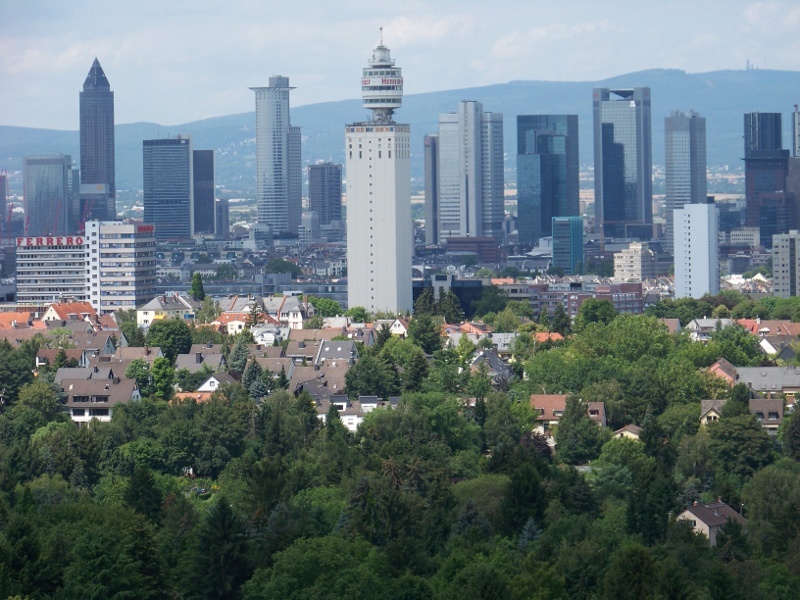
(372, 375)
(239, 355)
(220, 554)
(279, 265)
(736, 345)
(772, 502)
(492, 300)
(358, 314)
(42, 397)
(142, 494)
(196, 291)
(594, 311)
(254, 318)
(325, 307)
(139, 369)
(578, 438)
(15, 371)
(739, 445)
(209, 310)
(561, 322)
(506, 321)
(423, 330)
(163, 377)
(449, 307)
(414, 372)
(172, 336)
(791, 435)
(523, 498)
(426, 303)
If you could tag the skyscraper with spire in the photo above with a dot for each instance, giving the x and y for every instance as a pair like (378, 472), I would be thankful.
(98, 181)
(379, 234)
(278, 159)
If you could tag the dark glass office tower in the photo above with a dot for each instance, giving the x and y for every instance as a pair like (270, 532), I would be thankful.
(766, 163)
(685, 175)
(325, 191)
(98, 197)
(203, 172)
(547, 173)
(168, 182)
(48, 182)
(623, 163)
(431, 163)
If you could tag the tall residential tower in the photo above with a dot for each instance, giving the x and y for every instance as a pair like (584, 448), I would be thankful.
(278, 159)
(98, 181)
(685, 141)
(623, 163)
(169, 186)
(378, 168)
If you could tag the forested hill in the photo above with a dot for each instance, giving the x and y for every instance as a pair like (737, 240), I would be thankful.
(451, 494)
(721, 96)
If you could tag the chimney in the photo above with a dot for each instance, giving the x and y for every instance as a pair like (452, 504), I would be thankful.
(198, 357)
(210, 345)
(115, 380)
(694, 503)
(164, 299)
(146, 351)
(301, 344)
(96, 369)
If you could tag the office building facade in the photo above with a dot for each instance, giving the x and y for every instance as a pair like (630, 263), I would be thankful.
(547, 173)
(169, 186)
(222, 226)
(49, 194)
(325, 192)
(430, 158)
(696, 250)
(278, 159)
(203, 191)
(378, 169)
(765, 161)
(112, 266)
(685, 174)
(568, 244)
(98, 197)
(470, 173)
(786, 264)
(623, 162)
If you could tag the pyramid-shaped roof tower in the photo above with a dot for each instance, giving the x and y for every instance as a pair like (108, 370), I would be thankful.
(96, 79)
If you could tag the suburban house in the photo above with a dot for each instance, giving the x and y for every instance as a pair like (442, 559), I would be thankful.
(196, 361)
(336, 352)
(69, 311)
(769, 412)
(351, 412)
(167, 307)
(217, 380)
(709, 518)
(550, 408)
(289, 311)
(498, 370)
(47, 356)
(629, 432)
(772, 381)
(96, 397)
(724, 369)
(700, 330)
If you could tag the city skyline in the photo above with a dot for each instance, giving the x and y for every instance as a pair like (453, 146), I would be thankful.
(151, 59)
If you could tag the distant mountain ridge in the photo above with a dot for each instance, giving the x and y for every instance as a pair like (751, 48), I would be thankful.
(721, 96)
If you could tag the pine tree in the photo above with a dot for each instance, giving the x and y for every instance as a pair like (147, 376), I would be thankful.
(254, 318)
(252, 373)
(544, 318)
(239, 356)
(142, 495)
(426, 303)
(450, 307)
(196, 291)
(791, 437)
(561, 321)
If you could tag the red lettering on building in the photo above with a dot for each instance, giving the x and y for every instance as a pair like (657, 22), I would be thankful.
(79, 241)
(39, 241)
(49, 241)
(144, 229)
(69, 240)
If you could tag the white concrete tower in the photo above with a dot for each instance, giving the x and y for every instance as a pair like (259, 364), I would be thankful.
(278, 164)
(380, 240)
(696, 251)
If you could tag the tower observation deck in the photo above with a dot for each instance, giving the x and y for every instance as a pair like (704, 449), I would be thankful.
(382, 85)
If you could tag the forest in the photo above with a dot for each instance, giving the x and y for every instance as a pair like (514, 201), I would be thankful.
(450, 495)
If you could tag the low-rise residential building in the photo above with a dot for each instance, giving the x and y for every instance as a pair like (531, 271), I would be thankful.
(708, 519)
(161, 307)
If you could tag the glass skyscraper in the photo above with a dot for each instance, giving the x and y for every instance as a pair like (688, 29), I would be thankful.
(623, 163)
(168, 186)
(325, 191)
(203, 188)
(568, 244)
(547, 173)
(685, 176)
(49, 191)
(97, 147)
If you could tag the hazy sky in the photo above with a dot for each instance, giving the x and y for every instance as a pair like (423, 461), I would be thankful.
(174, 61)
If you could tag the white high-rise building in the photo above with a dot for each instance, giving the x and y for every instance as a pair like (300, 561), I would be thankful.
(470, 173)
(696, 250)
(380, 240)
(278, 159)
(112, 266)
(786, 260)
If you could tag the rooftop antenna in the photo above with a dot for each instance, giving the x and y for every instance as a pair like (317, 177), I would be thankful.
(381, 30)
